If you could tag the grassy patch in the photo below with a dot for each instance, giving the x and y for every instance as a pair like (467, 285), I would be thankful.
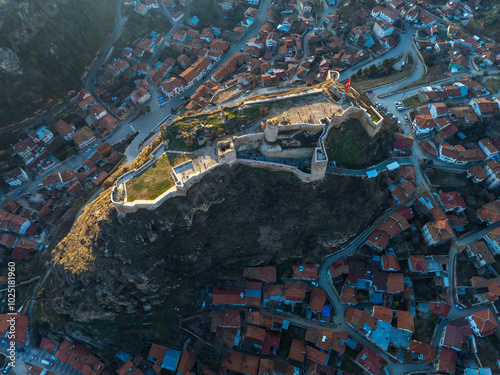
(413, 101)
(156, 179)
(348, 361)
(65, 152)
(183, 133)
(492, 84)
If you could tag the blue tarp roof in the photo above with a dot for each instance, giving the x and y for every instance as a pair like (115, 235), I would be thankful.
(351, 343)
(171, 359)
(377, 298)
(253, 292)
(401, 338)
(381, 335)
(326, 311)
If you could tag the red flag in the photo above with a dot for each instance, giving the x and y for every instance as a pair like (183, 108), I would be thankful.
(348, 84)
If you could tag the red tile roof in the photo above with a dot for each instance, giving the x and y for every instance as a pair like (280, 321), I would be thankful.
(349, 295)
(297, 351)
(305, 271)
(239, 362)
(406, 321)
(267, 274)
(395, 283)
(369, 360)
(316, 355)
(427, 351)
(318, 299)
(295, 291)
(452, 200)
(485, 321)
(382, 313)
(439, 308)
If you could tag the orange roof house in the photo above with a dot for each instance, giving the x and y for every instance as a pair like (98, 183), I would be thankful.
(483, 322)
(297, 351)
(406, 321)
(382, 313)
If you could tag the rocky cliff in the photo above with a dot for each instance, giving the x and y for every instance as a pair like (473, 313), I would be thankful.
(108, 267)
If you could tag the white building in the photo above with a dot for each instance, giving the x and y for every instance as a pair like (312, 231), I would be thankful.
(16, 177)
(383, 28)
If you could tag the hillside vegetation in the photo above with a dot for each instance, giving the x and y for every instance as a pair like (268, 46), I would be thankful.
(53, 45)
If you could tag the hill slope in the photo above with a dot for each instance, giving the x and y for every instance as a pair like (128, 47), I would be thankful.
(45, 48)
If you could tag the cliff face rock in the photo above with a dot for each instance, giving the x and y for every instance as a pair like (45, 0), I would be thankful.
(235, 217)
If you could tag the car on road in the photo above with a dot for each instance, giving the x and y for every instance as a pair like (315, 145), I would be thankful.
(54, 359)
(6, 369)
(4, 341)
(19, 192)
(459, 307)
(87, 150)
(33, 358)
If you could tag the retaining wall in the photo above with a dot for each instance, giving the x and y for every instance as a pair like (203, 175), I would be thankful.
(275, 167)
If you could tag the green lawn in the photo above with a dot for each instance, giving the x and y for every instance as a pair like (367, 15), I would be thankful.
(65, 152)
(155, 180)
(413, 101)
(347, 147)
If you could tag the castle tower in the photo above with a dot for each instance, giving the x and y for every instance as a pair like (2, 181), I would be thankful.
(318, 165)
(271, 131)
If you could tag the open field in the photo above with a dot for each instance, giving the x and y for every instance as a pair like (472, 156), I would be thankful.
(183, 133)
(352, 147)
(309, 109)
(156, 179)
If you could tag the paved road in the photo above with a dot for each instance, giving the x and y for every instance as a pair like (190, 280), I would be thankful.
(119, 23)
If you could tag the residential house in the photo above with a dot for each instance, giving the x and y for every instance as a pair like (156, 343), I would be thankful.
(480, 252)
(489, 149)
(492, 170)
(83, 137)
(423, 124)
(484, 107)
(173, 86)
(489, 213)
(42, 134)
(13, 223)
(52, 180)
(63, 129)
(383, 28)
(483, 323)
(305, 7)
(140, 96)
(438, 110)
(492, 238)
(97, 111)
(452, 202)
(16, 177)
(437, 232)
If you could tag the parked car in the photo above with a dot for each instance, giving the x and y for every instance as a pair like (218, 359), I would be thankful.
(6, 369)
(47, 363)
(33, 358)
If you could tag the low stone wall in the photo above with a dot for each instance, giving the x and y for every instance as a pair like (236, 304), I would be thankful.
(175, 191)
(304, 126)
(275, 167)
(362, 116)
(238, 141)
(288, 153)
(283, 97)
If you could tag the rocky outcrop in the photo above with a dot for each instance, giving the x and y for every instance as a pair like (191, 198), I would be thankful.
(237, 216)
